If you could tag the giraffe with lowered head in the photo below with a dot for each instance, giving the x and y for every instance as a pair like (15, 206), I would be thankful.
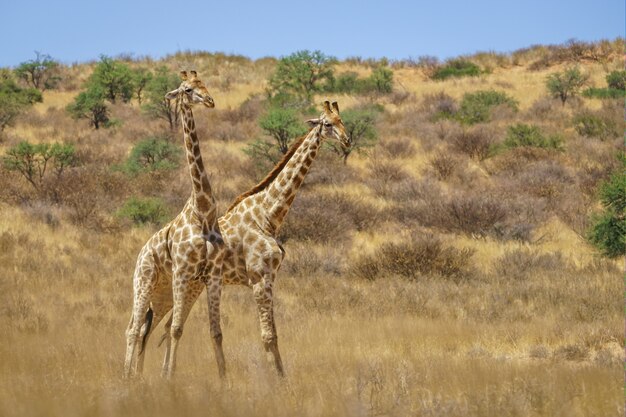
(250, 226)
(183, 257)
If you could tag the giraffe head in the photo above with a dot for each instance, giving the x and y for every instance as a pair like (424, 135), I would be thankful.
(331, 125)
(191, 91)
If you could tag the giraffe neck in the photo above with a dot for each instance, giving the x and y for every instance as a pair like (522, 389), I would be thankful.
(279, 195)
(201, 195)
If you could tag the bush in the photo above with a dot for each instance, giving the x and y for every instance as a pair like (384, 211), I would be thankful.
(157, 105)
(439, 105)
(380, 81)
(617, 80)
(604, 93)
(522, 134)
(422, 254)
(142, 211)
(14, 100)
(476, 107)
(41, 73)
(456, 68)
(359, 124)
(475, 215)
(153, 154)
(476, 143)
(609, 229)
(302, 74)
(443, 165)
(114, 78)
(37, 162)
(283, 125)
(566, 84)
(593, 126)
(90, 105)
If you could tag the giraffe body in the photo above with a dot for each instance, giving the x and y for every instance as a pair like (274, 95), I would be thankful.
(250, 226)
(182, 258)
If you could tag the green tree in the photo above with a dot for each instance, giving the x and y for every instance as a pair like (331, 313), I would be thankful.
(36, 161)
(283, 125)
(566, 84)
(90, 105)
(360, 127)
(302, 74)
(41, 73)
(14, 100)
(153, 154)
(141, 78)
(608, 232)
(115, 79)
(157, 105)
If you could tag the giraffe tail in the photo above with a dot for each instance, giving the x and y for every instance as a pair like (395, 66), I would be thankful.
(149, 316)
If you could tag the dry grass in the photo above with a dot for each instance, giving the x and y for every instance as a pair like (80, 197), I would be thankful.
(486, 300)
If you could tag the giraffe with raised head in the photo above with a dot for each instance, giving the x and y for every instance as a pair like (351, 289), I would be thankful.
(251, 224)
(183, 257)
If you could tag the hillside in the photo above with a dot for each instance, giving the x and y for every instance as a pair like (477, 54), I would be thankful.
(445, 270)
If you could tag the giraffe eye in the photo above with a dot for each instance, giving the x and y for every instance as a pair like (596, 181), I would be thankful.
(188, 90)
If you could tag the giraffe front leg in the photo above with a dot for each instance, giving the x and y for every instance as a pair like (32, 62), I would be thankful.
(213, 293)
(186, 291)
(264, 300)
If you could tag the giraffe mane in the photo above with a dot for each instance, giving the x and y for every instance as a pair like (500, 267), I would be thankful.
(265, 182)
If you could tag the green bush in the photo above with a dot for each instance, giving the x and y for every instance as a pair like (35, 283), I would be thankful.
(152, 154)
(90, 105)
(529, 135)
(590, 125)
(603, 93)
(157, 106)
(283, 125)
(114, 78)
(36, 162)
(476, 107)
(302, 74)
(380, 81)
(41, 73)
(14, 100)
(359, 124)
(566, 84)
(608, 232)
(142, 211)
(456, 68)
(617, 80)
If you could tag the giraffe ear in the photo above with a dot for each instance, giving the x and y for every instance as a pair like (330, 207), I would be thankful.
(183, 75)
(327, 107)
(313, 122)
(194, 75)
(172, 94)
(336, 107)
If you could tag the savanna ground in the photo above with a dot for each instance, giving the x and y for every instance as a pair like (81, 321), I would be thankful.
(402, 293)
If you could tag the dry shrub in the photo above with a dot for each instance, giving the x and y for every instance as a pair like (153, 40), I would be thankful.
(301, 259)
(400, 97)
(477, 215)
(516, 160)
(475, 142)
(521, 264)
(327, 217)
(421, 254)
(329, 169)
(443, 165)
(439, 105)
(546, 179)
(384, 176)
(398, 148)
(545, 109)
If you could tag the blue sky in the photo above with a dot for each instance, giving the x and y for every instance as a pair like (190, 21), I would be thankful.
(77, 31)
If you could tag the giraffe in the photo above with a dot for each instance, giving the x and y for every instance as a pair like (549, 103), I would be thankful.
(250, 226)
(183, 257)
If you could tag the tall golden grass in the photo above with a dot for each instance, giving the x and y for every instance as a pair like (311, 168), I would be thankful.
(531, 328)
